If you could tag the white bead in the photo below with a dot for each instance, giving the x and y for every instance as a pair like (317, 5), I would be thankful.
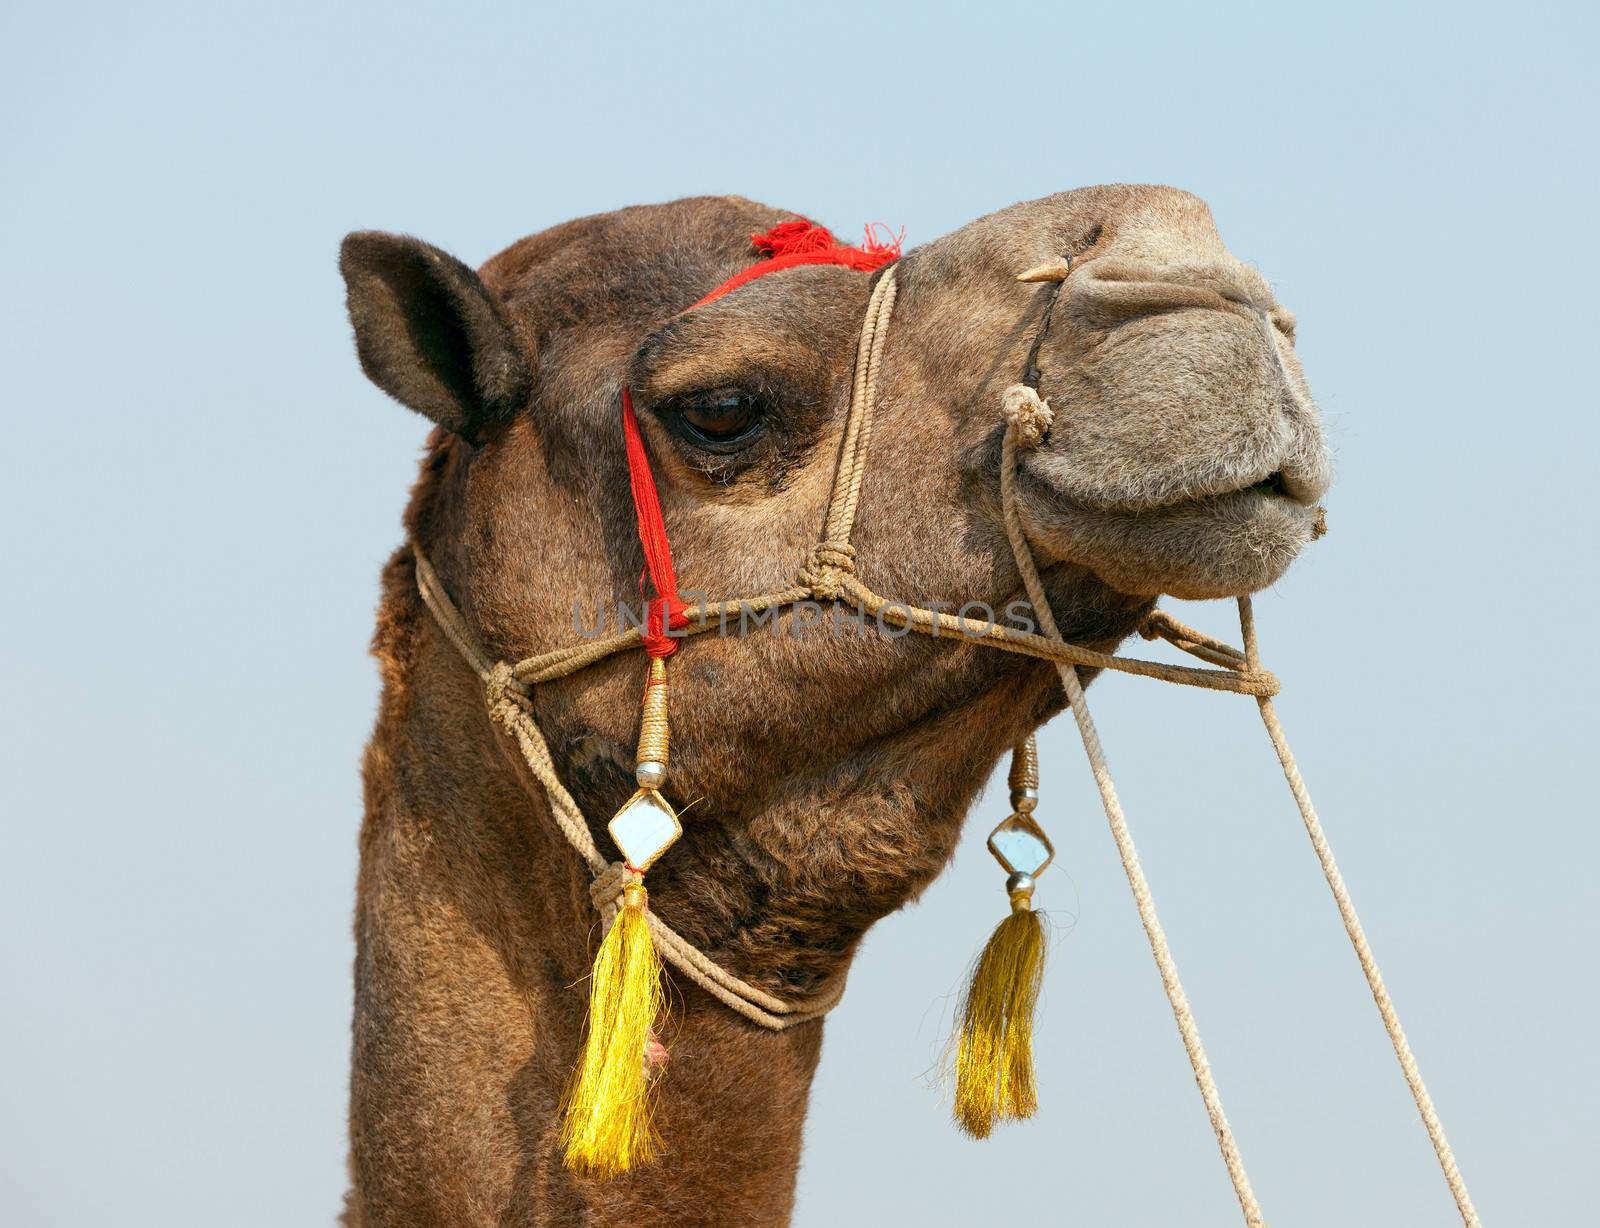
(645, 828)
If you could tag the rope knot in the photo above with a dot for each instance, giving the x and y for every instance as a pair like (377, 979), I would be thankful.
(1027, 413)
(608, 891)
(501, 690)
(830, 562)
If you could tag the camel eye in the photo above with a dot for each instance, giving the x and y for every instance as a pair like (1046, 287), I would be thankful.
(719, 418)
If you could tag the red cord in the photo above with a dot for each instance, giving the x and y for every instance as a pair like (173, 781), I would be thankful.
(790, 244)
(785, 246)
(667, 611)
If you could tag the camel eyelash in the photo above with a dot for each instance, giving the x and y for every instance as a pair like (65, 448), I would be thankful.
(721, 420)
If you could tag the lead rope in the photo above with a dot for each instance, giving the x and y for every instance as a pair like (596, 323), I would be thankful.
(1358, 937)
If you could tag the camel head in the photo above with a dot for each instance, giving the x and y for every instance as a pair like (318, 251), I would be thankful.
(832, 763)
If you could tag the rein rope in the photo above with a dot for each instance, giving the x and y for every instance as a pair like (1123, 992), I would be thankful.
(830, 575)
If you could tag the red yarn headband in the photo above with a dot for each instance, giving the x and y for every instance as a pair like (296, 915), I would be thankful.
(790, 244)
(786, 246)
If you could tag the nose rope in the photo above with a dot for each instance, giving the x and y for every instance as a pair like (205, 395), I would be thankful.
(830, 574)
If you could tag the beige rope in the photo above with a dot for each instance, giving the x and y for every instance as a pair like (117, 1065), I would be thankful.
(1232, 678)
(937, 623)
(1161, 624)
(1143, 900)
(864, 398)
(754, 1004)
(563, 661)
(448, 617)
(1358, 938)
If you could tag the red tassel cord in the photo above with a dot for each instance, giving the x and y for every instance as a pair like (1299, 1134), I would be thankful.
(666, 611)
(791, 244)
(787, 245)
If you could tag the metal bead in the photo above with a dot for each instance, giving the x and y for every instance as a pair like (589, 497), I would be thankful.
(1024, 801)
(1019, 882)
(651, 774)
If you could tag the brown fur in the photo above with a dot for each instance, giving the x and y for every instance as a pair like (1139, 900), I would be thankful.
(830, 774)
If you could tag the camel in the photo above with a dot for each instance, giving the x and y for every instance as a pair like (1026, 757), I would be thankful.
(830, 772)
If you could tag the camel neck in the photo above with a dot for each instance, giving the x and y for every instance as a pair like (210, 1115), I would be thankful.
(475, 927)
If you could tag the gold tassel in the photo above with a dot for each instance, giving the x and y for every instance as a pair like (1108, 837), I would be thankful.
(994, 1060)
(994, 1052)
(608, 1128)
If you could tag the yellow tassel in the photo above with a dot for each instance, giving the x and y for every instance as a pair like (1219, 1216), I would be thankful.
(608, 1129)
(994, 1057)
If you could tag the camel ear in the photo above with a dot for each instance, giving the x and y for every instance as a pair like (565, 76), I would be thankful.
(430, 334)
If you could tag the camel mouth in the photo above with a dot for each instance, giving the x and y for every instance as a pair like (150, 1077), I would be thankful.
(1277, 484)
(1301, 485)
(1272, 484)
(1299, 478)
(1268, 496)
(1223, 544)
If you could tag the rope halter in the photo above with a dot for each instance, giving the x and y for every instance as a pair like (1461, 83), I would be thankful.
(607, 1130)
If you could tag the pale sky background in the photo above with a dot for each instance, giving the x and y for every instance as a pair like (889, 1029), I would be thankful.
(202, 488)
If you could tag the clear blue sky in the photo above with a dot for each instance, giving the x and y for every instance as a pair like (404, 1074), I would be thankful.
(202, 488)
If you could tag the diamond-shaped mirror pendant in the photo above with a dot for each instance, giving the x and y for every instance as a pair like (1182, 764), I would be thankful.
(644, 828)
(1020, 845)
